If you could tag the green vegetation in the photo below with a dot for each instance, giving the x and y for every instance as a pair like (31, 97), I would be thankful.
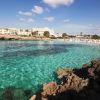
(46, 34)
(26, 30)
(59, 37)
(2, 38)
(35, 33)
(53, 37)
(64, 35)
(95, 37)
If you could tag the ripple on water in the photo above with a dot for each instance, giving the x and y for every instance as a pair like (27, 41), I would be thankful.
(29, 64)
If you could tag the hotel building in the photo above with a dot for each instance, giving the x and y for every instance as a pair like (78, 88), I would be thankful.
(26, 32)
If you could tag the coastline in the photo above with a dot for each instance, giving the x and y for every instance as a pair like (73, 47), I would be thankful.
(75, 84)
(15, 37)
(61, 71)
(85, 41)
(68, 40)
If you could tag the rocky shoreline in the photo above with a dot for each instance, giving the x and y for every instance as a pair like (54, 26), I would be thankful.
(72, 84)
(75, 84)
(27, 38)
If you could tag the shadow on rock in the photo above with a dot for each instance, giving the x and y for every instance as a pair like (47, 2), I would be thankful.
(76, 84)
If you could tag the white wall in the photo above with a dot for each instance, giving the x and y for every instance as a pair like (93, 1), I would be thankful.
(13, 31)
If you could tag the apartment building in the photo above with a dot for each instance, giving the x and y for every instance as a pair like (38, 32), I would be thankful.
(26, 32)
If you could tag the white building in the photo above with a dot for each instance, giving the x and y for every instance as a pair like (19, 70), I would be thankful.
(23, 32)
(40, 31)
(26, 32)
(8, 31)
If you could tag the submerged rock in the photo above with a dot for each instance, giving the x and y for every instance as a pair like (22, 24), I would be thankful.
(18, 94)
(8, 93)
(12, 93)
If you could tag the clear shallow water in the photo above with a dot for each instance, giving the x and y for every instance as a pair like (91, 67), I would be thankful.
(29, 64)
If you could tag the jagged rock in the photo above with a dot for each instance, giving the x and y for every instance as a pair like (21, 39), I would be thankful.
(76, 84)
(50, 89)
(85, 66)
(91, 72)
(95, 63)
(73, 81)
(28, 92)
(33, 97)
(64, 72)
(94, 69)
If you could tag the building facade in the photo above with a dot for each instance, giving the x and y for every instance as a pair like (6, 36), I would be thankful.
(26, 32)
(8, 31)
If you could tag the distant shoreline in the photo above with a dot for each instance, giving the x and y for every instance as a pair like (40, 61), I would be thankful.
(84, 41)
(69, 40)
(15, 37)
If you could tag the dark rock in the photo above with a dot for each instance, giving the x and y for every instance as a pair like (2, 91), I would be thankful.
(50, 89)
(86, 66)
(8, 93)
(28, 92)
(18, 94)
(76, 84)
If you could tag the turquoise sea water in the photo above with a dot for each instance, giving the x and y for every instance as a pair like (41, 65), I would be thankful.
(29, 64)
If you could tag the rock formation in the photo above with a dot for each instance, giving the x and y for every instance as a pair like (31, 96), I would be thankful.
(76, 84)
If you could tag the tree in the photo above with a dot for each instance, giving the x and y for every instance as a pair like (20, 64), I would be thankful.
(64, 35)
(35, 33)
(95, 37)
(26, 30)
(81, 33)
(46, 34)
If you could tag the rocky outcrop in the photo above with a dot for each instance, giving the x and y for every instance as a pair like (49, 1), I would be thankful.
(33, 97)
(69, 81)
(75, 84)
(50, 89)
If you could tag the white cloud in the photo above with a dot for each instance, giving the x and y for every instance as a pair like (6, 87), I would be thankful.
(38, 10)
(25, 13)
(56, 3)
(95, 27)
(67, 20)
(77, 28)
(26, 20)
(49, 19)
(30, 20)
(22, 19)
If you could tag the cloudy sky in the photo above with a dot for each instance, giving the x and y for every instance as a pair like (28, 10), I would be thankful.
(72, 16)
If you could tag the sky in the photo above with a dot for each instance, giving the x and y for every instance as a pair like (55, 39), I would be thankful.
(70, 16)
